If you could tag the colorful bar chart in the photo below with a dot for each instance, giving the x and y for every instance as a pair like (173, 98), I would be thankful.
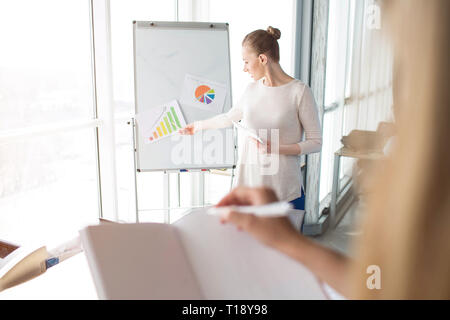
(169, 122)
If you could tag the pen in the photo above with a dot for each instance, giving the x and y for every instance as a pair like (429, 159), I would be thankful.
(275, 209)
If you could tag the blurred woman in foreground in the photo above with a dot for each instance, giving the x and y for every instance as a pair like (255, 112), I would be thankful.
(406, 231)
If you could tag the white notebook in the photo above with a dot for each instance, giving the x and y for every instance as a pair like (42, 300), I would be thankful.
(195, 258)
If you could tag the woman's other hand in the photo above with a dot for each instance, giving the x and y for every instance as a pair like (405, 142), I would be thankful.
(264, 148)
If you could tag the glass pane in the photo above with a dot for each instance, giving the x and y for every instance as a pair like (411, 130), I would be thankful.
(339, 45)
(152, 187)
(332, 134)
(48, 187)
(45, 62)
(326, 168)
(351, 39)
(246, 16)
(336, 51)
(369, 104)
(150, 190)
(216, 186)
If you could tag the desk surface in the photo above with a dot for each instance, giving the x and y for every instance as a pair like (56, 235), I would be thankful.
(69, 280)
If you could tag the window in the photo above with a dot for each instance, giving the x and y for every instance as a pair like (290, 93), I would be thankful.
(340, 13)
(48, 173)
(45, 62)
(358, 85)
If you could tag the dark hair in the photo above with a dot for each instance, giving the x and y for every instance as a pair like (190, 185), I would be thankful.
(264, 41)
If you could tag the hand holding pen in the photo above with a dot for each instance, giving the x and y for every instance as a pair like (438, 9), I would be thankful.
(263, 147)
(271, 230)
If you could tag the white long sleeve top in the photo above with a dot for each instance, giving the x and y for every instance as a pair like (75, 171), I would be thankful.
(290, 109)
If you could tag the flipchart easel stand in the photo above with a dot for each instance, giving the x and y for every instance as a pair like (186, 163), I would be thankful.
(167, 206)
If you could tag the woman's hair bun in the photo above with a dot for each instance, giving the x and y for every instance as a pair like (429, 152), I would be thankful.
(274, 32)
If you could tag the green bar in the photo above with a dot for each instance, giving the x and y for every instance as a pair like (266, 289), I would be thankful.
(175, 116)
(167, 124)
(163, 127)
(171, 121)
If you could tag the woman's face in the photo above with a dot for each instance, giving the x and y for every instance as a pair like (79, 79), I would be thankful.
(253, 64)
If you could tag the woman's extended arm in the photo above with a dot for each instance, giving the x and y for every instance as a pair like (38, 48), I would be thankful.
(328, 265)
(220, 121)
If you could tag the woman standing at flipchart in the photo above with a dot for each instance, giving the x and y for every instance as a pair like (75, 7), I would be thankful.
(277, 101)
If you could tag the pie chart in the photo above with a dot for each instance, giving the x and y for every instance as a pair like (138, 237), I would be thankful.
(204, 94)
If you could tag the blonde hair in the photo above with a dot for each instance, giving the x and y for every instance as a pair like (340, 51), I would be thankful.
(407, 228)
(264, 42)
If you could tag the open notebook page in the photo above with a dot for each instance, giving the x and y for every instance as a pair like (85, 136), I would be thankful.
(230, 264)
